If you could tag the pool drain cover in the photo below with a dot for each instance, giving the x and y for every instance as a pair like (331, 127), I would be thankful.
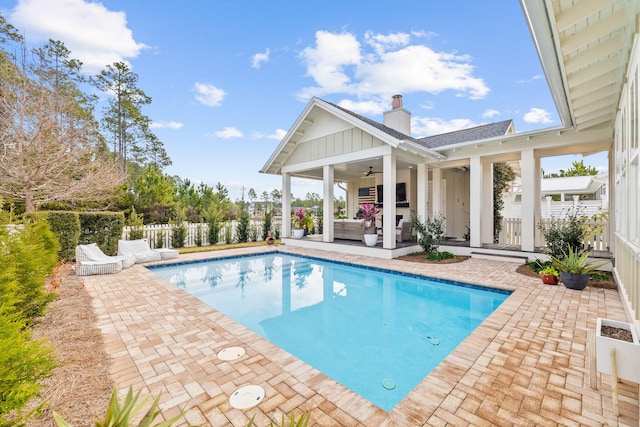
(388, 383)
(231, 353)
(246, 397)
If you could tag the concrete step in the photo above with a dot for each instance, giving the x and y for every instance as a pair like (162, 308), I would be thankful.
(519, 259)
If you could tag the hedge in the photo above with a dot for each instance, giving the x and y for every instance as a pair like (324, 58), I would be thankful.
(103, 228)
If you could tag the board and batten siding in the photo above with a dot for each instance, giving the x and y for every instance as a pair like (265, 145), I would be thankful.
(626, 173)
(335, 144)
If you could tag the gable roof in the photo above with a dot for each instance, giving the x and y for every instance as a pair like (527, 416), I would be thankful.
(490, 130)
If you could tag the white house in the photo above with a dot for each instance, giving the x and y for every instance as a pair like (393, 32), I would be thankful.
(589, 51)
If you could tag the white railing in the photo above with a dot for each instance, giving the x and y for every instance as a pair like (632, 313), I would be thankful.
(153, 232)
(596, 233)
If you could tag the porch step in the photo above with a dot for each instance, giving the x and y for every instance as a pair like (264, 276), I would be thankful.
(520, 259)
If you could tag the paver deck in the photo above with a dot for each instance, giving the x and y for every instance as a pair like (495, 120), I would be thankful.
(525, 365)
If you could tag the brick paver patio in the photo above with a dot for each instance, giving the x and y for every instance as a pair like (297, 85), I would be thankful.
(526, 365)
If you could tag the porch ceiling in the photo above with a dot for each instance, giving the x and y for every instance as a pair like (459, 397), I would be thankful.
(592, 40)
(354, 171)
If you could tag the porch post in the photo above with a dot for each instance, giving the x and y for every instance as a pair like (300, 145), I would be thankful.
(436, 197)
(423, 191)
(327, 204)
(286, 205)
(537, 212)
(487, 205)
(389, 206)
(529, 175)
(475, 202)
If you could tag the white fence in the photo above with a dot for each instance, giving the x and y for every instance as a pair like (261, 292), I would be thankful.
(596, 233)
(162, 232)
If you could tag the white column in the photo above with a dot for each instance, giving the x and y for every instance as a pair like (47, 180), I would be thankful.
(286, 205)
(436, 197)
(486, 214)
(537, 212)
(529, 200)
(389, 207)
(327, 204)
(423, 191)
(475, 202)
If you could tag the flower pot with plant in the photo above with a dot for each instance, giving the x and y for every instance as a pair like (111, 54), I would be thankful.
(549, 275)
(368, 213)
(575, 269)
(302, 223)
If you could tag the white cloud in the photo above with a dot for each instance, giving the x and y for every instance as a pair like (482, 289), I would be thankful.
(531, 79)
(259, 58)
(427, 126)
(228, 132)
(95, 35)
(385, 65)
(537, 115)
(209, 95)
(490, 113)
(277, 135)
(365, 108)
(165, 125)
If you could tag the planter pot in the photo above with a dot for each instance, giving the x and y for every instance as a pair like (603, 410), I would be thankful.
(370, 239)
(298, 233)
(574, 281)
(627, 353)
(549, 279)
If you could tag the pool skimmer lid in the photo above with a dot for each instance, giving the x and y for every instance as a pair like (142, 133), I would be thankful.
(247, 397)
(231, 353)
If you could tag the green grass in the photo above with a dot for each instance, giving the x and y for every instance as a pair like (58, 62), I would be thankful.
(222, 247)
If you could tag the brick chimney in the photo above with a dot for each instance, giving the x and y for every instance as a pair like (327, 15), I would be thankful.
(398, 118)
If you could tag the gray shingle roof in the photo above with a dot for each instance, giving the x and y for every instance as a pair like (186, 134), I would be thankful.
(465, 135)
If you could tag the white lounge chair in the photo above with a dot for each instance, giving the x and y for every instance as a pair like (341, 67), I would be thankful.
(142, 252)
(91, 260)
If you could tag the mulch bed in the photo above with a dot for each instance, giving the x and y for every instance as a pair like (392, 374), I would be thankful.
(80, 386)
(421, 258)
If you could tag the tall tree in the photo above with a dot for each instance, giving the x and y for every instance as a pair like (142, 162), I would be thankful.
(50, 148)
(129, 130)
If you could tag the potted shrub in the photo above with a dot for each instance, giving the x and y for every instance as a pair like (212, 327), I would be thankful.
(549, 275)
(575, 269)
(299, 222)
(368, 212)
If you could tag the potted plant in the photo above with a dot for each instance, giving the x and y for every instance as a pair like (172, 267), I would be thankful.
(549, 275)
(299, 221)
(575, 269)
(368, 213)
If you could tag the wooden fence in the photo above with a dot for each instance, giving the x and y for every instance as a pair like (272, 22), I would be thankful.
(596, 233)
(159, 235)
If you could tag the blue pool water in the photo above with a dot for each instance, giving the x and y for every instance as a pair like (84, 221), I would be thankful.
(376, 332)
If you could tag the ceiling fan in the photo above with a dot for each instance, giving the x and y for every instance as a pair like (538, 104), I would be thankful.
(370, 171)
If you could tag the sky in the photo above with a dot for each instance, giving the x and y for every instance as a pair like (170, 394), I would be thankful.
(229, 78)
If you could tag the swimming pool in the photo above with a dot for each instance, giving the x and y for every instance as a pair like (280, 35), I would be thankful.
(376, 332)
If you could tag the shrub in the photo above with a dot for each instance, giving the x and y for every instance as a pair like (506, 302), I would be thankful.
(198, 237)
(122, 415)
(136, 225)
(23, 363)
(430, 233)
(228, 233)
(439, 256)
(267, 224)
(564, 236)
(254, 233)
(29, 255)
(66, 227)
(178, 234)
(159, 243)
(103, 228)
(242, 230)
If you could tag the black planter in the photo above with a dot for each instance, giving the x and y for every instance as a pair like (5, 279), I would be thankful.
(574, 281)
